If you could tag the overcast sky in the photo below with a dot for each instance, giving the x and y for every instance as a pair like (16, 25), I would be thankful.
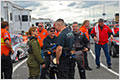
(71, 10)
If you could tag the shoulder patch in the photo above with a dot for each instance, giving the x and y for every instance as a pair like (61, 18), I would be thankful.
(6, 33)
(6, 36)
(70, 34)
(39, 37)
(44, 33)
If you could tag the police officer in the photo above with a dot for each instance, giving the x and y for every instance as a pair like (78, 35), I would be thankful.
(6, 50)
(81, 45)
(48, 43)
(63, 50)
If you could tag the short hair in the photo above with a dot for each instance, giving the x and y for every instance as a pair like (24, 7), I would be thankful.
(75, 22)
(60, 21)
(4, 24)
(32, 25)
(23, 31)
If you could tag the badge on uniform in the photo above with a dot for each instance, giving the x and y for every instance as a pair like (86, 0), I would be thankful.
(6, 34)
(44, 33)
(39, 37)
(69, 35)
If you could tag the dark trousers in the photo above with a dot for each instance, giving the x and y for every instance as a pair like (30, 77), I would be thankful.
(44, 70)
(86, 59)
(72, 68)
(47, 72)
(97, 53)
(80, 66)
(63, 67)
(81, 69)
(6, 67)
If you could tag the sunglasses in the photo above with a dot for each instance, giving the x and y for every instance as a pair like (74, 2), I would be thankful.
(40, 26)
(52, 30)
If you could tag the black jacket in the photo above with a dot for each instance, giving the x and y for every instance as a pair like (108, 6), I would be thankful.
(80, 41)
(48, 43)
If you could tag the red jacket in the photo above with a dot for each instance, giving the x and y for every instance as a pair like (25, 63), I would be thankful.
(102, 35)
(115, 30)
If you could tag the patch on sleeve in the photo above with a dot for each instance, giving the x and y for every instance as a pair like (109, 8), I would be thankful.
(69, 35)
(6, 35)
(39, 37)
(44, 33)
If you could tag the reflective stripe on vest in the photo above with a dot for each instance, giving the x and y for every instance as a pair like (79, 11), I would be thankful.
(2, 42)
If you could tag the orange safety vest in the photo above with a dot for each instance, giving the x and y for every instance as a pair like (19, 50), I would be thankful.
(4, 35)
(41, 36)
(84, 30)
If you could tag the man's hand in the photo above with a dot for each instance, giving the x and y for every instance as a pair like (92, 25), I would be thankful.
(58, 53)
(43, 66)
(73, 52)
(57, 61)
(95, 38)
(111, 37)
(85, 50)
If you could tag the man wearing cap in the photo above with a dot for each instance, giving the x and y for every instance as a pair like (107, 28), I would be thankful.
(100, 35)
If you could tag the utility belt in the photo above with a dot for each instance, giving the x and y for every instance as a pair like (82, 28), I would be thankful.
(79, 49)
(66, 52)
(78, 55)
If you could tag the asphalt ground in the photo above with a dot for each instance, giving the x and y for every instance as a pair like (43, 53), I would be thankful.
(21, 70)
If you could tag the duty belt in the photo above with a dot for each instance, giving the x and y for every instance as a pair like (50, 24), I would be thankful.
(66, 52)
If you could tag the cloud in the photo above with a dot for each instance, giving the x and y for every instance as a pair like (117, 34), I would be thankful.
(71, 4)
(115, 3)
(61, 4)
(71, 10)
(26, 4)
(89, 4)
(44, 8)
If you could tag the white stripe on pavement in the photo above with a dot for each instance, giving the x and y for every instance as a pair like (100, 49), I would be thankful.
(105, 66)
(14, 68)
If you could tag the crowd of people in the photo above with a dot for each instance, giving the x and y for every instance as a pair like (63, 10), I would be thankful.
(71, 47)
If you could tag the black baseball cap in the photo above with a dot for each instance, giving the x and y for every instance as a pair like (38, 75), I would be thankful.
(101, 20)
